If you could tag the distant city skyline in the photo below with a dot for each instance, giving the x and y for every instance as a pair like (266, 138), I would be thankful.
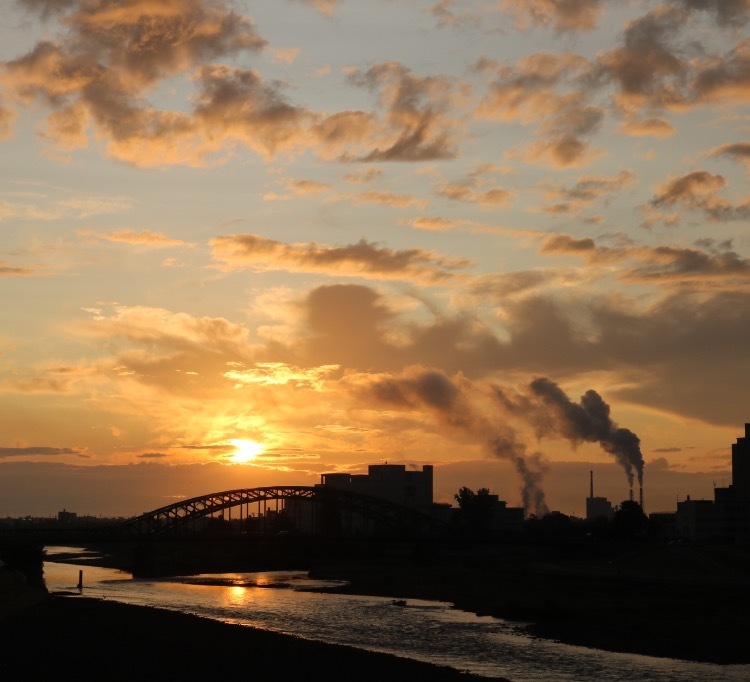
(248, 243)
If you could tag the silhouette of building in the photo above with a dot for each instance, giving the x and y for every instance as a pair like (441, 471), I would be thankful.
(697, 520)
(66, 517)
(390, 482)
(741, 467)
(597, 507)
(727, 517)
(506, 519)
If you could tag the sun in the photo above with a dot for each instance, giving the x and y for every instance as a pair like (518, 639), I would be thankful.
(245, 450)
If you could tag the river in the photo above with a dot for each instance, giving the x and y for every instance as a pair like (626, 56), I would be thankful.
(424, 630)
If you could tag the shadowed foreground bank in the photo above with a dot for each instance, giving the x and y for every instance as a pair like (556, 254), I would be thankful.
(90, 639)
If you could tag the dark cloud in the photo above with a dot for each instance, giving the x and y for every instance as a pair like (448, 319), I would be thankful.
(699, 191)
(725, 11)
(419, 125)
(8, 271)
(711, 264)
(241, 105)
(587, 190)
(725, 78)
(683, 264)
(347, 324)
(648, 70)
(38, 451)
(682, 353)
(739, 151)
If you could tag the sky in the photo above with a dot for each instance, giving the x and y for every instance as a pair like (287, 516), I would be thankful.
(246, 243)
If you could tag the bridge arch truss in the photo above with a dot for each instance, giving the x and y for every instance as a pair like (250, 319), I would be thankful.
(313, 510)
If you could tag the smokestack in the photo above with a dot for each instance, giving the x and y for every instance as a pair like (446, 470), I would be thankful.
(631, 493)
(591, 474)
(640, 497)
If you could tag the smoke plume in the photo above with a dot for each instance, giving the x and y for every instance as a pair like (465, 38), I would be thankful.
(588, 421)
(457, 404)
(484, 413)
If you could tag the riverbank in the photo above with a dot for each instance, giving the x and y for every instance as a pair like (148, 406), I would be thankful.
(689, 603)
(91, 639)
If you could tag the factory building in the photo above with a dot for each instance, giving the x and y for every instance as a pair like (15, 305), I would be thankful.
(597, 507)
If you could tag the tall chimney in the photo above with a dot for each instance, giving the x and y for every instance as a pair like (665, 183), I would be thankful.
(591, 475)
(640, 497)
(631, 493)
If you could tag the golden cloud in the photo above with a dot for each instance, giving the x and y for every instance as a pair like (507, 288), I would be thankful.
(362, 259)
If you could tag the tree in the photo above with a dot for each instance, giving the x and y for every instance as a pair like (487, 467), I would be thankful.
(629, 520)
(477, 510)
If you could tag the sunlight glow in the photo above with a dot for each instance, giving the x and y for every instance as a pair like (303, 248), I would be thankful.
(245, 450)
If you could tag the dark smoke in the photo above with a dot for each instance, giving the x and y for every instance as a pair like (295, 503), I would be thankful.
(458, 404)
(588, 422)
(455, 402)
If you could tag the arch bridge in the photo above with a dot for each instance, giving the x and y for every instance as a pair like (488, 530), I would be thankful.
(313, 510)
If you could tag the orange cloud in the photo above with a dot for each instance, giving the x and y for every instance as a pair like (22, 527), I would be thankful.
(467, 190)
(649, 127)
(363, 259)
(172, 330)
(8, 271)
(77, 207)
(280, 373)
(433, 224)
(503, 286)
(386, 198)
(477, 189)
(528, 94)
(326, 7)
(563, 15)
(298, 188)
(363, 175)
(522, 92)
(128, 236)
(287, 56)
(7, 118)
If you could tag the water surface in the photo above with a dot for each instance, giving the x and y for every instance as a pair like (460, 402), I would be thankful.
(424, 630)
